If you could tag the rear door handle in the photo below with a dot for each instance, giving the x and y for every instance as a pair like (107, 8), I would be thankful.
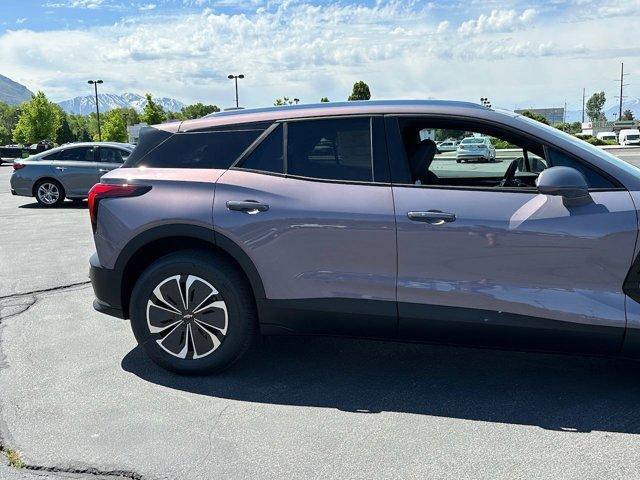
(434, 217)
(62, 169)
(103, 170)
(248, 206)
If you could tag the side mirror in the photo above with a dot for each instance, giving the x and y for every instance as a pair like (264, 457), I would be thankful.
(566, 182)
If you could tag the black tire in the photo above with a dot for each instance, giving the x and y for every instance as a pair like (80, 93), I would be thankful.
(49, 201)
(77, 201)
(241, 326)
(458, 160)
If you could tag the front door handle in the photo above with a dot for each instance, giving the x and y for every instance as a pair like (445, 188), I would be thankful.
(434, 217)
(248, 206)
(103, 170)
(62, 169)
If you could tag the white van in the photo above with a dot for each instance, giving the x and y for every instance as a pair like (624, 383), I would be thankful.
(607, 136)
(629, 136)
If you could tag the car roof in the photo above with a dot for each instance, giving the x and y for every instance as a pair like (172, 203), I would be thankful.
(365, 107)
(94, 144)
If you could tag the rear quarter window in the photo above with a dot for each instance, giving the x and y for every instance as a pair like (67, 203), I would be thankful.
(217, 148)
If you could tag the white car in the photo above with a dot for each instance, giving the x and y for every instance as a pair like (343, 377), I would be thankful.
(607, 136)
(629, 136)
(475, 149)
(447, 146)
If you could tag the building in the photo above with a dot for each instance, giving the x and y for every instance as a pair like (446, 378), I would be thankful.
(133, 132)
(553, 115)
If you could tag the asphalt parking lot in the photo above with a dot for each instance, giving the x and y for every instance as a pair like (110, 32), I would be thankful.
(79, 399)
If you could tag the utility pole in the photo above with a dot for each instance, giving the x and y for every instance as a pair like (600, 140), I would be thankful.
(564, 113)
(583, 92)
(622, 84)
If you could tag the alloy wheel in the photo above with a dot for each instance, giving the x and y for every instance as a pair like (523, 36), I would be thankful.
(48, 193)
(188, 316)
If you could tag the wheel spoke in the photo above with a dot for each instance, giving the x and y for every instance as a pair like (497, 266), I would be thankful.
(176, 342)
(171, 288)
(197, 291)
(160, 318)
(204, 341)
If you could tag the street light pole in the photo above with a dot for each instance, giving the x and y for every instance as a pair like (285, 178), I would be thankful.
(236, 77)
(95, 87)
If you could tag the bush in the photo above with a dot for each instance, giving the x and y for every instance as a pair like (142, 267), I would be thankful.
(501, 144)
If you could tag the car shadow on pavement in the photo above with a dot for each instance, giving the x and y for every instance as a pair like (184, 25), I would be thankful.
(66, 205)
(556, 392)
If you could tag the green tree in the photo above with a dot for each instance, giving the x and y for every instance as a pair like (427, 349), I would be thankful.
(283, 101)
(152, 113)
(174, 116)
(5, 135)
(64, 133)
(324, 100)
(535, 116)
(575, 127)
(9, 115)
(114, 128)
(627, 115)
(130, 115)
(594, 107)
(39, 120)
(80, 127)
(360, 91)
(198, 110)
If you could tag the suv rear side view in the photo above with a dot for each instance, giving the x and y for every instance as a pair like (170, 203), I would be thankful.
(346, 219)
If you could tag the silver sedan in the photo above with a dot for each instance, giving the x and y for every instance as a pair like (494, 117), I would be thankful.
(68, 171)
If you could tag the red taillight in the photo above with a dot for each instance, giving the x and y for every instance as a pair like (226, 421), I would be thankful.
(103, 190)
(18, 166)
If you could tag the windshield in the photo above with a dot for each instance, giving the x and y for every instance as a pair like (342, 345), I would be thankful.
(604, 155)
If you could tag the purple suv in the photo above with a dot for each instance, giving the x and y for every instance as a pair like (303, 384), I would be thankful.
(345, 219)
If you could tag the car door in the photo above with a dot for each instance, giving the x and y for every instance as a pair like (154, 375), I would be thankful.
(76, 169)
(512, 267)
(110, 158)
(316, 219)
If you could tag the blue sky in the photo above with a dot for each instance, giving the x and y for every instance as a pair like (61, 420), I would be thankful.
(516, 53)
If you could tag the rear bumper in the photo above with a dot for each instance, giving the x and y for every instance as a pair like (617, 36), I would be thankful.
(107, 286)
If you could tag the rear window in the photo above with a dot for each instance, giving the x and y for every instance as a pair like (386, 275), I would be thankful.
(217, 148)
(473, 140)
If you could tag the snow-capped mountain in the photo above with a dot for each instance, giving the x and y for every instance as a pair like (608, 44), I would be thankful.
(84, 105)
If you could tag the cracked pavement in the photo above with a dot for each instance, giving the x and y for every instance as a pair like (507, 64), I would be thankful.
(78, 398)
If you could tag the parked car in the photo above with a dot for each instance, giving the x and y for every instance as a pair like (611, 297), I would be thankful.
(475, 149)
(328, 219)
(68, 171)
(607, 136)
(447, 146)
(629, 136)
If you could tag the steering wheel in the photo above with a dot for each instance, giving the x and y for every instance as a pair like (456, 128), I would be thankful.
(509, 176)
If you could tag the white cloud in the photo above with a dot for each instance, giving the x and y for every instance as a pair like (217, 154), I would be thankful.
(90, 4)
(147, 7)
(498, 21)
(20, 21)
(443, 26)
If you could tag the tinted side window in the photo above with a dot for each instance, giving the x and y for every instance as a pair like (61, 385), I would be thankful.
(268, 156)
(594, 179)
(113, 155)
(337, 149)
(212, 149)
(78, 154)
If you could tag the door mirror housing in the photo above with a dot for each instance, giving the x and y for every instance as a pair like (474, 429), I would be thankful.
(566, 182)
